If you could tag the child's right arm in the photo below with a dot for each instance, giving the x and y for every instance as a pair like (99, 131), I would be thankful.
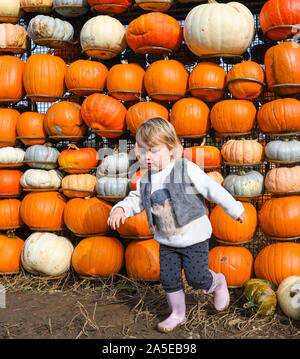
(128, 207)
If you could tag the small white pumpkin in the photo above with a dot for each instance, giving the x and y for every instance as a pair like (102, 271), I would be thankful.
(113, 186)
(42, 156)
(115, 164)
(11, 155)
(288, 296)
(35, 178)
(10, 11)
(71, 8)
(213, 28)
(47, 254)
(103, 37)
(47, 27)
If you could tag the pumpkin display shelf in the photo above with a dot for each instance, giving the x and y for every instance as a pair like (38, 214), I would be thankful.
(36, 8)
(274, 88)
(113, 199)
(99, 52)
(98, 8)
(32, 189)
(235, 134)
(10, 100)
(233, 243)
(283, 193)
(247, 198)
(68, 138)
(248, 79)
(76, 190)
(44, 98)
(227, 163)
(281, 162)
(34, 162)
(4, 195)
(109, 132)
(294, 29)
(85, 235)
(30, 138)
(66, 169)
(11, 165)
(53, 43)
(285, 239)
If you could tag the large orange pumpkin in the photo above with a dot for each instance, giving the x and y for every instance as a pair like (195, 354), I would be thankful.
(44, 77)
(43, 211)
(10, 185)
(278, 261)
(78, 160)
(279, 217)
(276, 13)
(190, 117)
(8, 122)
(98, 256)
(204, 155)
(125, 81)
(10, 253)
(166, 80)
(235, 262)
(79, 185)
(142, 259)
(142, 111)
(279, 116)
(242, 151)
(30, 128)
(230, 231)
(207, 81)
(104, 114)
(154, 32)
(233, 116)
(84, 77)
(282, 66)
(245, 80)
(135, 227)
(136, 176)
(10, 217)
(63, 120)
(87, 216)
(11, 79)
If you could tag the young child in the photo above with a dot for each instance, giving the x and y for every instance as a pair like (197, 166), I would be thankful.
(172, 192)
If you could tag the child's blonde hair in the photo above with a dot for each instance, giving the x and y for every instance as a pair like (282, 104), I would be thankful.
(158, 130)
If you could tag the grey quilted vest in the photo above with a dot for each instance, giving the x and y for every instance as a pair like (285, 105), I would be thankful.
(187, 203)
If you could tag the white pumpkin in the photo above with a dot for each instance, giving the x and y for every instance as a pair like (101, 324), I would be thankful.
(283, 150)
(42, 156)
(245, 184)
(288, 296)
(47, 254)
(47, 27)
(213, 28)
(10, 11)
(71, 8)
(103, 37)
(35, 178)
(113, 186)
(154, 5)
(11, 155)
(115, 164)
(40, 6)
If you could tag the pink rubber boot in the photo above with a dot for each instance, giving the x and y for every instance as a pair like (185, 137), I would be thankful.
(220, 290)
(176, 302)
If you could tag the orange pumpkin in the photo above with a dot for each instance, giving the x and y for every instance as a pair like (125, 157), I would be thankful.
(279, 116)
(135, 227)
(233, 116)
(43, 211)
(282, 66)
(154, 32)
(44, 77)
(207, 156)
(98, 256)
(242, 151)
(10, 185)
(190, 117)
(227, 230)
(235, 262)
(104, 114)
(166, 80)
(87, 216)
(275, 14)
(10, 253)
(11, 79)
(278, 261)
(8, 122)
(78, 160)
(245, 80)
(63, 120)
(110, 6)
(142, 259)
(79, 185)
(125, 81)
(13, 38)
(84, 77)
(10, 217)
(279, 217)
(142, 111)
(136, 177)
(207, 81)
(30, 128)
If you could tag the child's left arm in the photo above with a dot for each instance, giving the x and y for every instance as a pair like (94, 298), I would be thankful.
(214, 192)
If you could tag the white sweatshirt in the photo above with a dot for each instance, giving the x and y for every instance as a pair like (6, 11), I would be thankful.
(197, 230)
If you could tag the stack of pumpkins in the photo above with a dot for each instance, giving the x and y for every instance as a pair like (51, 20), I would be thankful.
(198, 106)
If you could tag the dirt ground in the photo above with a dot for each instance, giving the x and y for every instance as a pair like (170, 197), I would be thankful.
(120, 308)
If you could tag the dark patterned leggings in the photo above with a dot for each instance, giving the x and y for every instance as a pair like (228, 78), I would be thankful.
(194, 261)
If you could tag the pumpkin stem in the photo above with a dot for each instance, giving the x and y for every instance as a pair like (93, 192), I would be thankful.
(203, 141)
(241, 172)
(124, 61)
(73, 146)
(116, 149)
(249, 304)
(212, 2)
(166, 57)
(48, 144)
(11, 233)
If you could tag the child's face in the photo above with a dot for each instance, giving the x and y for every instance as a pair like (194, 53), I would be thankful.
(155, 157)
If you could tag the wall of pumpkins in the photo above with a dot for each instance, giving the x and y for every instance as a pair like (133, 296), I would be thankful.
(77, 77)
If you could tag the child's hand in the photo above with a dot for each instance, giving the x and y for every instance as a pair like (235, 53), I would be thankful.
(242, 217)
(117, 216)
